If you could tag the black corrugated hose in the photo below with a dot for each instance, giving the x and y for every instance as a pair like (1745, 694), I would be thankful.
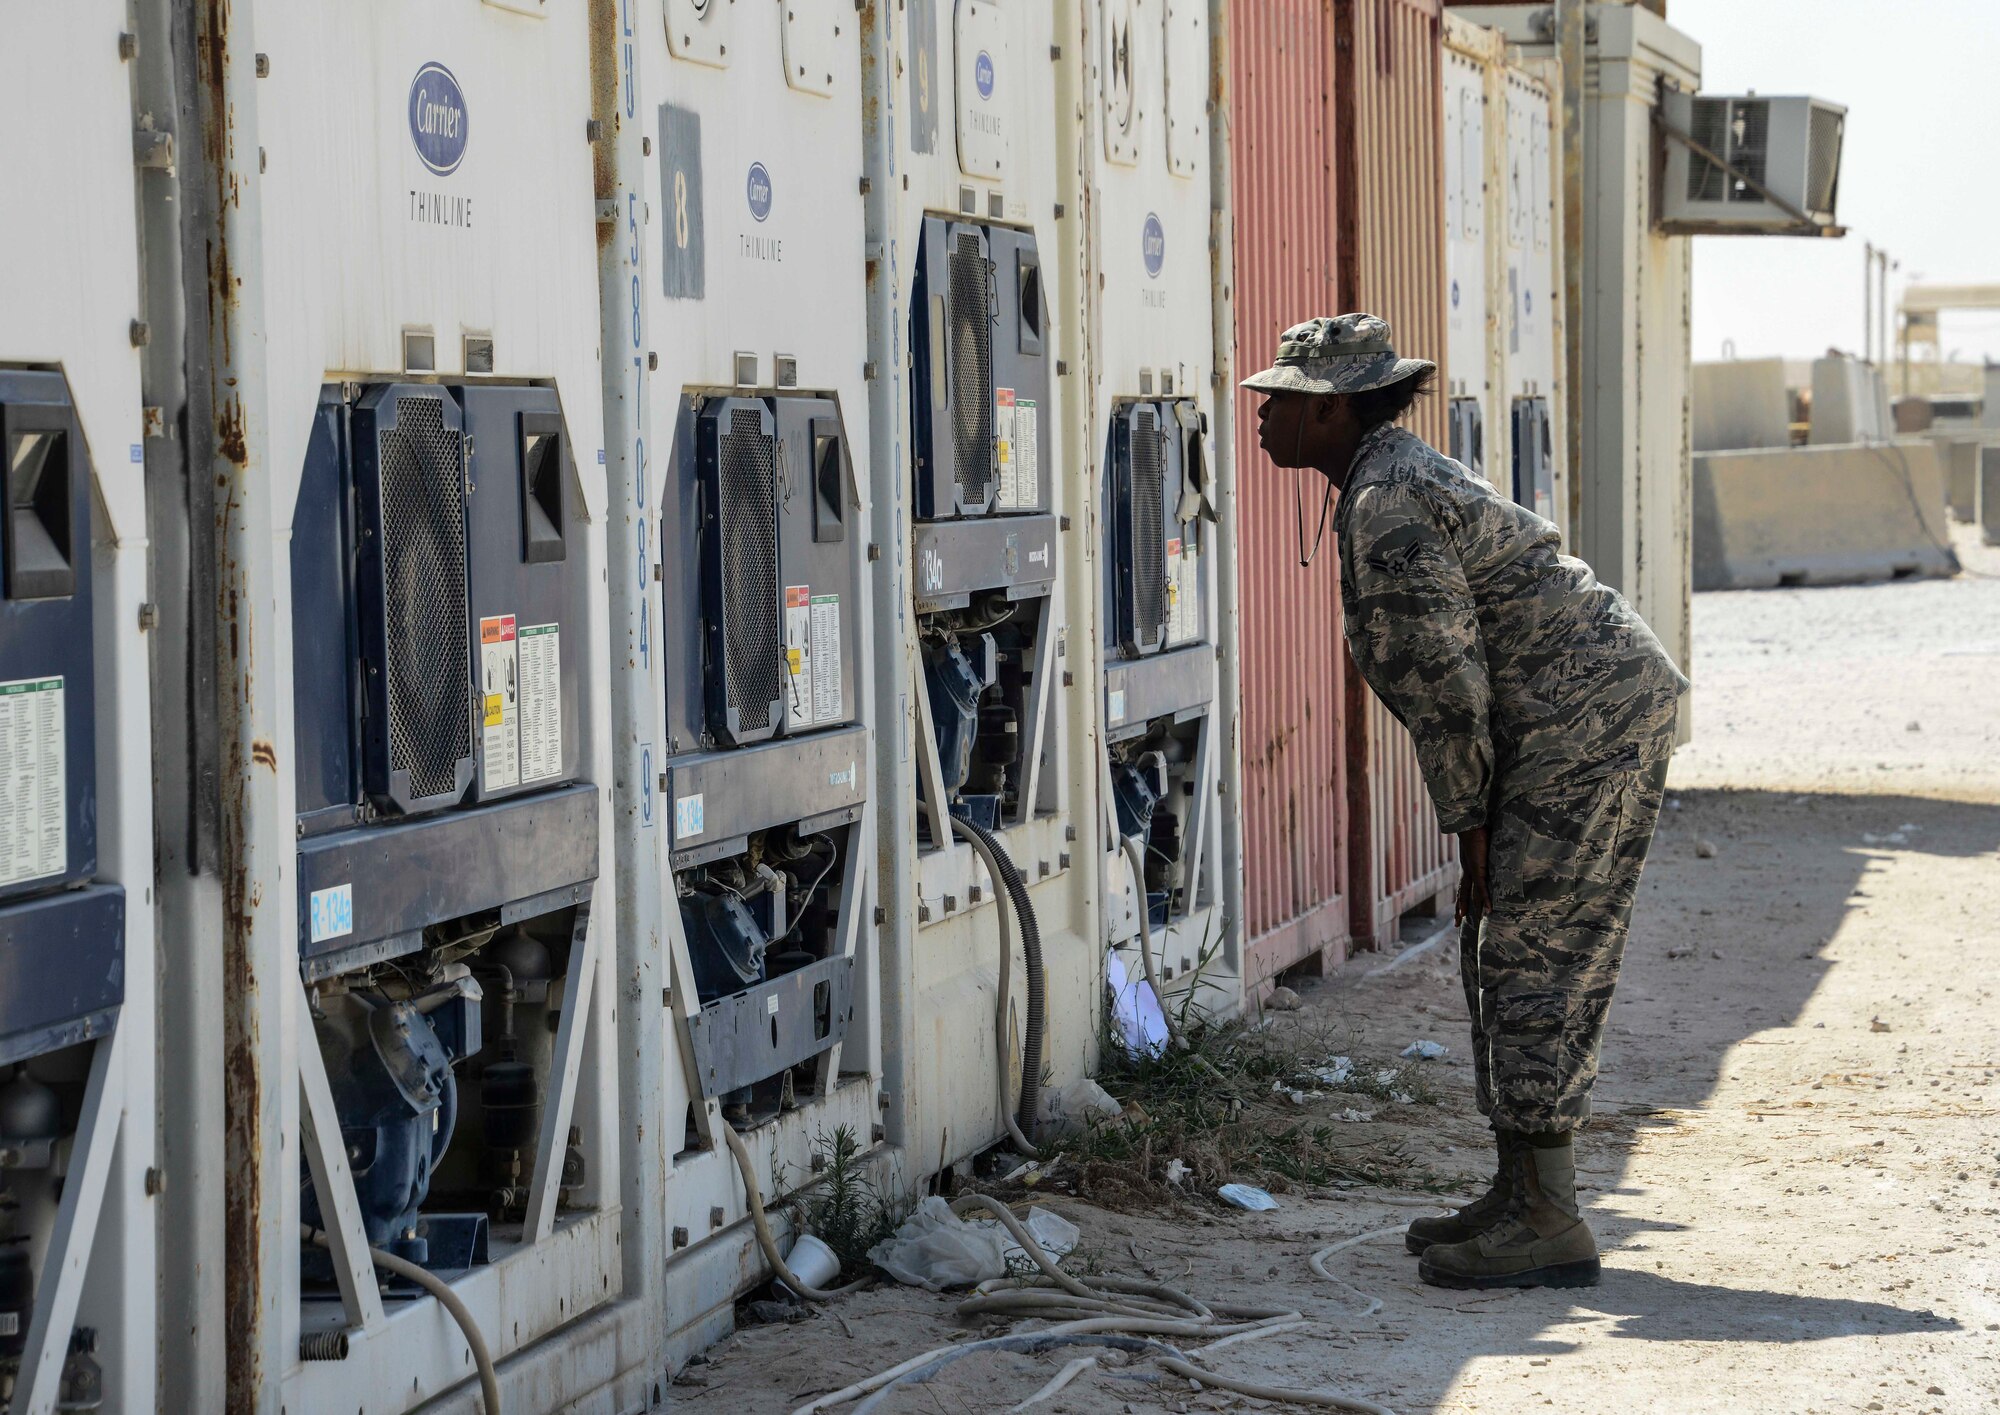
(1011, 879)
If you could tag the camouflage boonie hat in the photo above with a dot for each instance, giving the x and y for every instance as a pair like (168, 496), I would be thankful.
(1345, 353)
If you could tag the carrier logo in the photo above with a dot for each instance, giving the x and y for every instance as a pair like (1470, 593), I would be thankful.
(437, 119)
(1153, 241)
(758, 189)
(982, 74)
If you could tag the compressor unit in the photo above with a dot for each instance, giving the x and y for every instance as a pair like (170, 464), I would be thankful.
(985, 537)
(1159, 669)
(447, 848)
(766, 761)
(62, 934)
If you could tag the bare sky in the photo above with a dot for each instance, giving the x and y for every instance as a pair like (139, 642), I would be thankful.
(1920, 174)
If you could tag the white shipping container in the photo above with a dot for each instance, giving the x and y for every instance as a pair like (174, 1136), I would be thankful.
(750, 534)
(1152, 467)
(984, 587)
(419, 1016)
(77, 1042)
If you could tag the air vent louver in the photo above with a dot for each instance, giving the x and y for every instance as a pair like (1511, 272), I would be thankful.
(747, 507)
(423, 578)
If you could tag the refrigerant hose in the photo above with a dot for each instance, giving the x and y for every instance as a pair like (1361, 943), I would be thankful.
(1013, 897)
(489, 1380)
(1110, 1313)
(765, 1239)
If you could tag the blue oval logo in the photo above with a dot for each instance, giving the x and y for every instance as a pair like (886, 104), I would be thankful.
(982, 73)
(1154, 242)
(758, 189)
(437, 119)
(1530, 298)
(1454, 294)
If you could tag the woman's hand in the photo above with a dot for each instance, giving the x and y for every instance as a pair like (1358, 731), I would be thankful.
(1474, 902)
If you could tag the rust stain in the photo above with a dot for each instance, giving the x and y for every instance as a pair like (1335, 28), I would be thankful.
(264, 754)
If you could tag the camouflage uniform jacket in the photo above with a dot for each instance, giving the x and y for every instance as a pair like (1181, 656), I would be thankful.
(1509, 663)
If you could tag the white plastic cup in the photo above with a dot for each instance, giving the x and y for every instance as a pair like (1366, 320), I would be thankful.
(812, 1263)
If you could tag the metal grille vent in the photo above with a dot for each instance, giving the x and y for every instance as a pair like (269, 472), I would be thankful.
(1706, 181)
(423, 580)
(1823, 160)
(1149, 547)
(972, 371)
(748, 511)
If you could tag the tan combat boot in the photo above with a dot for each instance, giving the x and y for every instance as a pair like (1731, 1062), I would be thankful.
(1479, 1215)
(1543, 1242)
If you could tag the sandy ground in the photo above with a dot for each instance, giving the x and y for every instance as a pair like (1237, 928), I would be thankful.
(1795, 1168)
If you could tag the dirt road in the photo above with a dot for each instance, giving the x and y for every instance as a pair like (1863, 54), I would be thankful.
(1795, 1169)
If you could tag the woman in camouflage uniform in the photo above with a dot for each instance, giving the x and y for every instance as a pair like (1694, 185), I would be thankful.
(1542, 708)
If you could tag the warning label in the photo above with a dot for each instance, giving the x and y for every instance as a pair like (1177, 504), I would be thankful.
(541, 702)
(1003, 446)
(1027, 456)
(799, 655)
(34, 815)
(500, 703)
(826, 706)
(1184, 592)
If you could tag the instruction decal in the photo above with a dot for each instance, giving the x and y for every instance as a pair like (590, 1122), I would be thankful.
(826, 705)
(500, 703)
(34, 786)
(541, 702)
(800, 653)
(1027, 455)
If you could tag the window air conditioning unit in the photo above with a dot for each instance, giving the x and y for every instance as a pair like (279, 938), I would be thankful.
(1751, 165)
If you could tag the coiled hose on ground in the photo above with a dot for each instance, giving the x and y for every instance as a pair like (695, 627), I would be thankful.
(1013, 898)
(1107, 1311)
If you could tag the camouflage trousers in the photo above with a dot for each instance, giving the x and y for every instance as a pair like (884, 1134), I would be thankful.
(1563, 871)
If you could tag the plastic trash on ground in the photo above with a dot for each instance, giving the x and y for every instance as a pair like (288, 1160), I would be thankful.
(937, 1249)
(1423, 1050)
(1336, 1073)
(1078, 1106)
(1246, 1196)
(1142, 1026)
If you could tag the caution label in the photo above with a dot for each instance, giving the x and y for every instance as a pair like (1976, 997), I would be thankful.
(1003, 448)
(500, 703)
(1184, 591)
(34, 786)
(826, 704)
(541, 702)
(799, 656)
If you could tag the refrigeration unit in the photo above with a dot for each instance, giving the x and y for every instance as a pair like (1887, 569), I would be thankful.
(77, 1054)
(1158, 509)
(975, 216)
(448, 836)
(63, 954)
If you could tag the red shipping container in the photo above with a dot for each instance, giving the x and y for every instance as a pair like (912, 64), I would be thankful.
(1294, 793)
(1389, 163)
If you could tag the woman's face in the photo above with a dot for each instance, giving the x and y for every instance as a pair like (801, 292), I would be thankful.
(1281, 430)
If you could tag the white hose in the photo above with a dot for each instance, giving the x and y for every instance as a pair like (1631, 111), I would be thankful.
(489, 1380)
(1056, 1382)
(765, 1238)
(1005, 1060)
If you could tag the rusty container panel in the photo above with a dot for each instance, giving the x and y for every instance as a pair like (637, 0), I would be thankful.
(1295, 846)
(1389, 156)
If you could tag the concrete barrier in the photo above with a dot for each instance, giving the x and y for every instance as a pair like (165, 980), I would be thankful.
(1960, 456)
(1989, 495)
(1819, 516)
